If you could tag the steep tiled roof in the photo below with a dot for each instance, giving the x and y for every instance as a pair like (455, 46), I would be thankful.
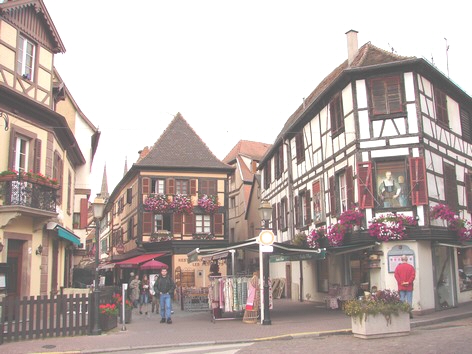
(251, 149)
(180, 147)
(368, 55)
(246, 173)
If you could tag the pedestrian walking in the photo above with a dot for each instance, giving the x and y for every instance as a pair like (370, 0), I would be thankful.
(155, 297)
(164, 287)
(144, 296)
(134, 286)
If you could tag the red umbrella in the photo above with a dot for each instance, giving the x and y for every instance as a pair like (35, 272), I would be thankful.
(153, 264)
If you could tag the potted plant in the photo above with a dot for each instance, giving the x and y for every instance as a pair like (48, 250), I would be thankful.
(182, 204)
(382, 314)
(391, 226)
(462, 227)
(108, 316)
(118, 300)
(158, 203)
(209, 203)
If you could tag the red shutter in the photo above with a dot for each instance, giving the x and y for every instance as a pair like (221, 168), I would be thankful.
(170, 186)
(83, 213)
(419, 195)
(177, 223)
(37, 156)
(468, 191)
(349, 188)
(146, 186)
(364, 185)
(189, 224)
(193, 186)
(218, 224)
(147, 223)
(332, 196)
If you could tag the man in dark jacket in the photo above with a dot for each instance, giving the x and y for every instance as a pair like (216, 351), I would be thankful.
(164, 287)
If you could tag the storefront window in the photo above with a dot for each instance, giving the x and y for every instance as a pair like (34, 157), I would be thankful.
(392, 185)
(464, 257)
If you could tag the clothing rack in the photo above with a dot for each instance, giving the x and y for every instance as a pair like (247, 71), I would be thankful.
(227, 297)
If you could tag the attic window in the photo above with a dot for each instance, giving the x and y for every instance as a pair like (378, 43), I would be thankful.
(386, 95)
(26, 58)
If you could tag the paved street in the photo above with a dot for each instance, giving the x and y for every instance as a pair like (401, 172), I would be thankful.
(296, 327)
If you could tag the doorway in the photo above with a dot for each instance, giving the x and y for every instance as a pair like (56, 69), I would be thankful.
(444, 280)
(14, 261)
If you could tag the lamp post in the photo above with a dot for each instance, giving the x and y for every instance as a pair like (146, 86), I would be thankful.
(266, 238)
(98, 209)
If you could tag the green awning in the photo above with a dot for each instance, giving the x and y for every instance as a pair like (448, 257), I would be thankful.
(67, 235)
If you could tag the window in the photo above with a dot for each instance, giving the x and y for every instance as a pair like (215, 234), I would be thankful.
(464, 260)
(26, 58)
(468, 190)
(386, 95)
(440, 104)
(158, 186)
(267, 174)
(341, 191)
(283, 213)
(22, 154)
(364, 185)
(466, 125)
(208, 186)
(202, 223)
(318, 211)
(450, 186)
(300, 147)
(303, 209)
(232, 202)
(181, 186)
(392, 185)
(162, 222)
(336, 114)
(129, 234)
(279, 162)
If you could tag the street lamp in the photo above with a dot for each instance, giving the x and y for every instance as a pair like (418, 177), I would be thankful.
(265, 211)
(98, 209)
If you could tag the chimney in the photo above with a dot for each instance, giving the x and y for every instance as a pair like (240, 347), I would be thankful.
(352, 46)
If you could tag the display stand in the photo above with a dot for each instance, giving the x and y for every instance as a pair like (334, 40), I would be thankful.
(227, 297)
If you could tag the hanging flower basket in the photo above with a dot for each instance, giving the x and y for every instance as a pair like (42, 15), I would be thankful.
(315, 236)
(462, 227)
(209, 203)
(351, 218)
(158, 203)
(391, 227)
(182, 204)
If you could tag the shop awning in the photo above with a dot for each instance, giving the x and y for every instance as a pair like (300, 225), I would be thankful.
(136, 261)
(455, 245)
(64, 233)
(106, 266)
(215, 256)
(349, 249)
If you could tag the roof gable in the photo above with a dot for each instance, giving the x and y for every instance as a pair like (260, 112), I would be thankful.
(180, 147)
(251, 149)
(32, 18)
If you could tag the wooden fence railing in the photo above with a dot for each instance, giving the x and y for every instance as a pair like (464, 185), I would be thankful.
(43, 316)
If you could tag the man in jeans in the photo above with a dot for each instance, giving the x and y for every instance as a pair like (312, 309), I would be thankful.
(405, 275)
(164, 287)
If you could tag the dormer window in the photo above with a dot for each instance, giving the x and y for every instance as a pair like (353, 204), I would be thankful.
(25, 58)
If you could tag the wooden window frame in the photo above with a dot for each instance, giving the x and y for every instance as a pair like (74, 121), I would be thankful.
(24, 67)
(386, 95)
(300, 147)
(318, 202)
(336, 113)
(466, 124)
(450, 186)
(208, 186)
(182, 186)
(440, 106)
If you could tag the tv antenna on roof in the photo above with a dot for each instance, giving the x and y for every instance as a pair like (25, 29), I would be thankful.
(447, 57)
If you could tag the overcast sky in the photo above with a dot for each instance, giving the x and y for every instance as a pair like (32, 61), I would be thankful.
(234, 69)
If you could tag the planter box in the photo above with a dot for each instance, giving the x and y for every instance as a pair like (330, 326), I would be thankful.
(108, 322)
(379, 327)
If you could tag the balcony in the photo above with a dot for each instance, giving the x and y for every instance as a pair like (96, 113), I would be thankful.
(29, 193)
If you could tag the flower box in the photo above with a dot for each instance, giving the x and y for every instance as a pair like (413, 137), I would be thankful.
(107, 322)
(377, 326)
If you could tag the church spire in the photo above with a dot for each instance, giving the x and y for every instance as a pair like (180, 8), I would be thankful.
(104, 191)
(126, 166)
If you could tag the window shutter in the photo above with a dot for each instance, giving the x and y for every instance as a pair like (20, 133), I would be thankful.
(274, 218)
(297, 212)
(386, 95)
(147, 223)
(83, 213)
(279, 217)
(419, 195)
(218, 224)
(307, 208)
(189, 224)
(193, 186)
(170, 186)
(450, 186)
(440, 103)
(332, 196)
(37, 156)
(364, 185)
(349, 188)
(177, 223)
(11, 156)
(468, 191)
(146, 186)
(466, 125)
